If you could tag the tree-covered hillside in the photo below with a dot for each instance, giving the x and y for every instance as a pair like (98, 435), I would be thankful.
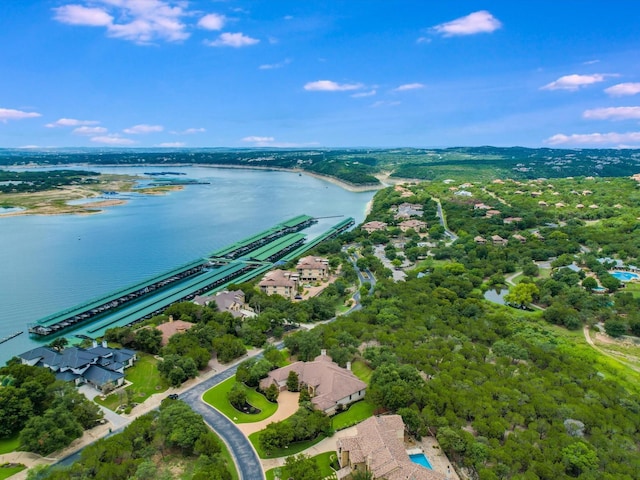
(358, 166)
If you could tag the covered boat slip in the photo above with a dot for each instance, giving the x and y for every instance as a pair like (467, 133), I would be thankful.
(147, 298)
(238, 249)
(96, 306)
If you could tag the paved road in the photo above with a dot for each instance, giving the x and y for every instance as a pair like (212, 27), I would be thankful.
(245, 456)
(452, 236)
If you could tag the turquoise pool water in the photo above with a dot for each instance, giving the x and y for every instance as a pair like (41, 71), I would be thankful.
(625, 276)
(421, 459)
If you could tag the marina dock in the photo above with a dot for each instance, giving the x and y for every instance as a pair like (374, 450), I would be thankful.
(237, 263)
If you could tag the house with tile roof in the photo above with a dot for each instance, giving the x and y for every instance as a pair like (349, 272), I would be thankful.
(100, 366)
(171, 328)
(378, 448)
(312, 269)
(374, 226)
(232, 301)
(280, 282)
(331, 387)
(412, 224)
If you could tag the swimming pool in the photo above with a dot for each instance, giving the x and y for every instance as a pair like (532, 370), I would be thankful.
(420, 459)
(625, 276)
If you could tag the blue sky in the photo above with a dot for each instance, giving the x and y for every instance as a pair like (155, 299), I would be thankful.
(349, 73)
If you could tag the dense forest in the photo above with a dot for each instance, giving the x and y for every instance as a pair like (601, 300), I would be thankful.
(358, 166)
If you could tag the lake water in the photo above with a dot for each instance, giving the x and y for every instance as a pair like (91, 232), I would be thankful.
(48, 263)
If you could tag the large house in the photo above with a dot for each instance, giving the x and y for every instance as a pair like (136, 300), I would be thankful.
(311, 269)
(329, 384)
(414, 224)
(100, 366)
(172, 327)
(280, 282)
(232, 301)
(378, 448)
(374, 226)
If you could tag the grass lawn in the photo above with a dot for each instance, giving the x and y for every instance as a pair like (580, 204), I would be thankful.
(6, 472)
(362, 371)
(9, 444)
(293, 449)
(633, 288)
(357, 412)
(217, 398)
(324, 466)
(145, 379)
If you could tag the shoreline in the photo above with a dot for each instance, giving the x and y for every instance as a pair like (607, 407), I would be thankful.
(97, 207)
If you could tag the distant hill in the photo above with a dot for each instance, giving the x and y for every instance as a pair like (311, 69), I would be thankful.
(360, 166)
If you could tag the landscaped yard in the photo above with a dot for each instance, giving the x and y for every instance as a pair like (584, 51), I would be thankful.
(6, 472)
(9, 444)
(217, 398)
(362, 371)
(357, 412)
(293, 449)
(324, 466)
(145, 379)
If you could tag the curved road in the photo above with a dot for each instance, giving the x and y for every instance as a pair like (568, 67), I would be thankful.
(245, 457)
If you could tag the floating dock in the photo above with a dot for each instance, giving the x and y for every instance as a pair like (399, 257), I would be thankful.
(237, 263)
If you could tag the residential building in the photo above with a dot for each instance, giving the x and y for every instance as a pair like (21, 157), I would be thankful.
(172, 327)
(414, 224)
(312, 269)
(520, 238)
(228, 301)
(331, 386)
(378, 448)
(497, 240)
(100, 366)
(374, 226)
(280, 282)
(479, 240)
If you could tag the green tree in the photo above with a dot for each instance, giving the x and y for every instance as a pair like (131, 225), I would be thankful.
(301, 467)
(50, 432)
(615, 328)
(578, 458)
(237, 396)
(293, 382)
(148, 340)
(589, 283)
(522, 294)
(272, 393)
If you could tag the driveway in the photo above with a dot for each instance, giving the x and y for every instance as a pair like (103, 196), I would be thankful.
(244, 455)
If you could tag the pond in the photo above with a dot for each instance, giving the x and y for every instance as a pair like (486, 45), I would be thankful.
(496, 296)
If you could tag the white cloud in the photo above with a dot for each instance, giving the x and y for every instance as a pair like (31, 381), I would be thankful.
(591, 62)
(613, 138)
(112, 140)
(370, 93)
(423, 40)
(81, 15)
(408, 86)
(476, 22)
(271, 66)
(271, 142)
(7, 114)
(140, 21)
(189, 131)
(213, 21)
(384, 103)
(256, 139)
(143, 128)
(70, 122)
(575, 81)
(235, 40)
(622, 89)
(612, 113)
(172, 144)
(84, 130)
(331, 86)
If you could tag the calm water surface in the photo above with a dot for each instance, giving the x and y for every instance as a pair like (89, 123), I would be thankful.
(48, 263)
